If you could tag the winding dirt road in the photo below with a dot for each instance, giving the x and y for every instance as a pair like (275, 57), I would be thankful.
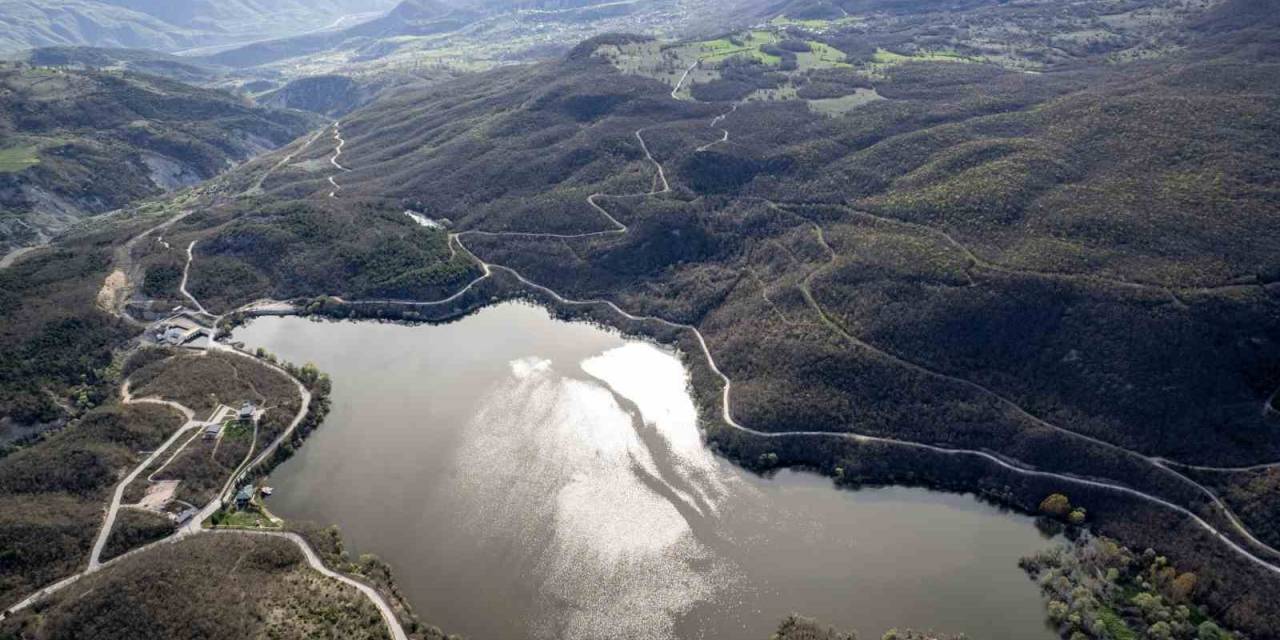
(195, 525)
(337, 153)
(186, 271)
(257, 185)
(661, 185)
(114, 508)
(388, 615)
(683, 78)
(724, 137)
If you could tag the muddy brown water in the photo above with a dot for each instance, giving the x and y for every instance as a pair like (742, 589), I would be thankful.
(532, 478)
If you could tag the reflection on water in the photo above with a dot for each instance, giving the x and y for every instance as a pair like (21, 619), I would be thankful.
(530, 478)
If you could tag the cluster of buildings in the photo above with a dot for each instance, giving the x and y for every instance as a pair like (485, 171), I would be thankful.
(179, 330)
(245, 415)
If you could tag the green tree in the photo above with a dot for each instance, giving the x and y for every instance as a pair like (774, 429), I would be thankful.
(1210, 631)
(1056, 505)
(309, 373)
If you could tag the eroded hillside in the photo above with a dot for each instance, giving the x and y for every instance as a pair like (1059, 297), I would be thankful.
(76, 143)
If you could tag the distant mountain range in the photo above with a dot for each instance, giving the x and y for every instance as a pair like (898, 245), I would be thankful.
(166, 25)
(408, 18)
(475, 34)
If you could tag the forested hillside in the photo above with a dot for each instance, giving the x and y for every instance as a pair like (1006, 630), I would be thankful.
(1065, 261)
(1016, 249)
(76, 143)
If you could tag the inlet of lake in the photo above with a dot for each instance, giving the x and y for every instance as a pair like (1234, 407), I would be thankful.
(527, 477)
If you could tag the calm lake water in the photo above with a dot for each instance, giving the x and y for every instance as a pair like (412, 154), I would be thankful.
(531, 478)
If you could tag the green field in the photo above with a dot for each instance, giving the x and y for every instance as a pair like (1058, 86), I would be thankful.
(246, 519)
(885, 57)
(821, 56)
(722, 48)
(15, 159)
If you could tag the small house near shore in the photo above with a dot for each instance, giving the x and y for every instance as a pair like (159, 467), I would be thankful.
(212, 430)
(244, 496)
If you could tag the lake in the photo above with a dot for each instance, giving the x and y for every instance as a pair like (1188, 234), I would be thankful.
(527, 477)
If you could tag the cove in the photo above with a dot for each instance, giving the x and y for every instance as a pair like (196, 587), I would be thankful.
(527, 477)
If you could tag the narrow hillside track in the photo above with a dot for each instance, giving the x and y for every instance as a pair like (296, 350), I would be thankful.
(333, 159)
(683, 78)
(313, 559)
(661, 177)
(839, 329)
(186, 272)
(288, 158)
(113, 508)
(1177, 294)
(724, 137)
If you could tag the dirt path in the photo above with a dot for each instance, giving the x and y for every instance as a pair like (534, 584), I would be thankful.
(388, 614)
(662, 173)
(337, 153)
(257, 185)
(10, 258)
(680, 82)
(661, 185)
(113, 509)
(186, 272)
(724, 131)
